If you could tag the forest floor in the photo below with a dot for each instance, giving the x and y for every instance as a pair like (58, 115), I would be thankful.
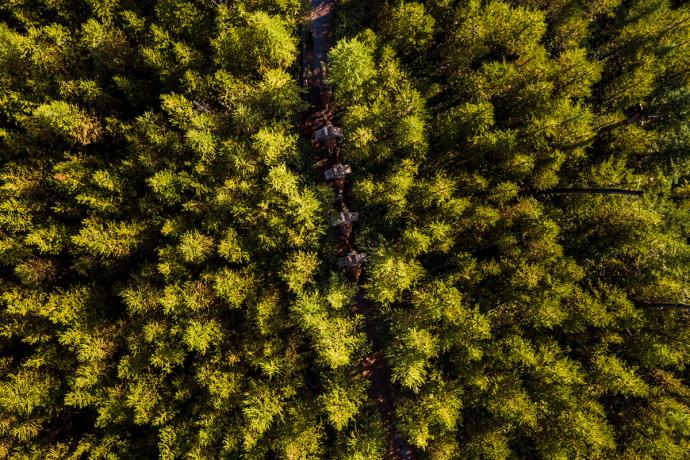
(376, 369)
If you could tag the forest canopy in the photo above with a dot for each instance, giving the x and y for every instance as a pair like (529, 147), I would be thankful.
(169, 281)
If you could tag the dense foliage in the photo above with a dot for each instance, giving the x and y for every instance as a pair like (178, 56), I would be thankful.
(160, 241)
(534, 310)
(168, 284)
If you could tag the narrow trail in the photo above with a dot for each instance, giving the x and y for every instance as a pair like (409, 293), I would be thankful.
(318, 38)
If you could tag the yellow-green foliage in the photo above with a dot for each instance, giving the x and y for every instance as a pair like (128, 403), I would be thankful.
(168, 281)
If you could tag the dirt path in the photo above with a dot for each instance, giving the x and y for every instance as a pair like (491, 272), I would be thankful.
(318, 38)
(376, 369)
(322, 20)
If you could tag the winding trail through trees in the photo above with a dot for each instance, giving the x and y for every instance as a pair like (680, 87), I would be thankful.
(317, 39)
